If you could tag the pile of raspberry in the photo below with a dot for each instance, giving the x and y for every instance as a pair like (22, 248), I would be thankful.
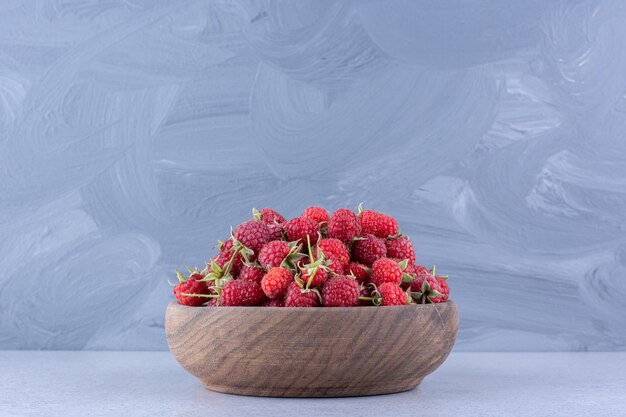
(343, 259)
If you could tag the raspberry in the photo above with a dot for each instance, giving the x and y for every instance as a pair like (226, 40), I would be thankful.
(276, 231)
(335, 266)
(443, 289)
(414, 270)
(241, 293)
(226, 253)
(391, 295)
(280, 253)
(223, 266)
(366, 296)
(334, 248)
(336, 252)
(222, 259)
(427, 287)
(315, 272)
(301, 227)
(386, 270)
(348, 260)
(360, 271)
(267, 216)
(298, 297)
(318, 214)
(341, 291)
(276, 282)
(253, 234)
(418, 282)
(368, 249)
(344, 225)
(401, 248)
(272, 219)
(251, 273)
(319, 276)
(191, 285)
(378, 224)
(273, 253)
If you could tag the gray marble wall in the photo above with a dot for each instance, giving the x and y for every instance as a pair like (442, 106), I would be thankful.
(133, 133)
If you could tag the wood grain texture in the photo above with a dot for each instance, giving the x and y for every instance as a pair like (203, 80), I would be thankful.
(311, 352)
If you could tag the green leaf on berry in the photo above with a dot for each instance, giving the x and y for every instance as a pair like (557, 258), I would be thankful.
(404, 264)
(406, 277)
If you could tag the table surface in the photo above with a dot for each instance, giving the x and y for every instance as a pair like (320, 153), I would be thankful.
(467, 384)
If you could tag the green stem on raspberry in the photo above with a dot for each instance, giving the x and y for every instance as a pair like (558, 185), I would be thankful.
(314, 269)
(311, 276)
(256, 214)
(229, 264)
(308, 243)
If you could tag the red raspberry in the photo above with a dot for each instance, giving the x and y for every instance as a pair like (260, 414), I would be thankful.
(366, 293)
(386, 270)
(334, 248)
(360, 271)
(391, 295)
(401, 248)
(241, 293)
(273, 302)
(426, 287)
(344, 225)
(378, 224)
(226, 245)
(191, 286)
(318, 214)
(222, 258)
(416, 284)
(226, 253)
(276, 282)
(251, 273)
(301, 227)
(253, 234)
(268, 216)
(336, 252)
(297, 297)
(414, 270)
(368, 249)
(273, 253)
(341, 291)
(443, 289)
(276, 231)
(335, 266)
(319, 278)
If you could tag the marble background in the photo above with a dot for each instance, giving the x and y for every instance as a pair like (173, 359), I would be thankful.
(134, 132)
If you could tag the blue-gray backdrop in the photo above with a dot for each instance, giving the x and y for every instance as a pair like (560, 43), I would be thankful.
(134, 132)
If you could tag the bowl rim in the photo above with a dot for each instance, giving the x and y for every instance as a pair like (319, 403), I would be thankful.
(175, 304)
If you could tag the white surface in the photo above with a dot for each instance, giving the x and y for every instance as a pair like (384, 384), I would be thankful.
(468, 384)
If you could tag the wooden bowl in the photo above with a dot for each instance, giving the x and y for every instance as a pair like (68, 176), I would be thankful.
(311, 352)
